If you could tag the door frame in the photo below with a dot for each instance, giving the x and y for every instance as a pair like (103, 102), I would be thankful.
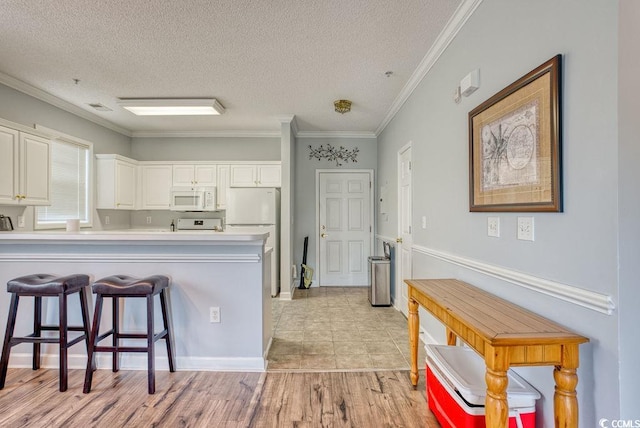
(371, 208)
(399, 302)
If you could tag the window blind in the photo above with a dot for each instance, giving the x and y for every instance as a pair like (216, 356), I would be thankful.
(69, 184)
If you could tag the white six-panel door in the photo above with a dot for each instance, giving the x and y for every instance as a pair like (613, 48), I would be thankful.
(344, 227)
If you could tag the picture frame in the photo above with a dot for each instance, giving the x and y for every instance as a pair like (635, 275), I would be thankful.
(515, 145)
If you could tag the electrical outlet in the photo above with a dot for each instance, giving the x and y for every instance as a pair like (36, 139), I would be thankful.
(493, 227)
(107, 220)
(424, 221)
(525, 228)
(148, 219)
(214, 314)
(20, 221)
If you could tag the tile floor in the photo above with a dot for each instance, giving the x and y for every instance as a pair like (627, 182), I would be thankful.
(335, 328)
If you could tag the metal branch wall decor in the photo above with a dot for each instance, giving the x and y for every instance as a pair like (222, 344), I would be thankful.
(334, 154)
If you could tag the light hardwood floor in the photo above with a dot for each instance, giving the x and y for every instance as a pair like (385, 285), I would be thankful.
(215, 399)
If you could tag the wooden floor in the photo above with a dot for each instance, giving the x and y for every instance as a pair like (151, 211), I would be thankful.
(215, 399)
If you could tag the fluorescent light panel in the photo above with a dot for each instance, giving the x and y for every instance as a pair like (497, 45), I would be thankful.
(172, 107)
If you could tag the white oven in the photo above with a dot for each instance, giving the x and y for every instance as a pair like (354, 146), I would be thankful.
(193, 199)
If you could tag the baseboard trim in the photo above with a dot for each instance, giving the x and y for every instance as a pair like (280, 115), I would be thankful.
(139, 362)
(598, 302)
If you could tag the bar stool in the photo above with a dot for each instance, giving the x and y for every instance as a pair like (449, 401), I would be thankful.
(118, 286)
(39, 286)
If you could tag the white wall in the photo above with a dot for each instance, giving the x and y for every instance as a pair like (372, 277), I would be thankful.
(629, 206)
(577, 248)
(305, 173)
(204, 149)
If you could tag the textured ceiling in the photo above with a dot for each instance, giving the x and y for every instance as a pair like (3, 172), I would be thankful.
(260, 59)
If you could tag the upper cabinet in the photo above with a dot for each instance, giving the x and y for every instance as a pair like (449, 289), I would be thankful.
(155, 186)
(222, 187)
(194, 175)
(25, 168)
(116, 182)
(258, 175)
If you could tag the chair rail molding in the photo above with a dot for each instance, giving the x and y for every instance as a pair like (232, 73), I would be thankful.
(598, 302)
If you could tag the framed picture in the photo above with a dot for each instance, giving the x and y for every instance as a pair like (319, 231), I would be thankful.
(515, 147)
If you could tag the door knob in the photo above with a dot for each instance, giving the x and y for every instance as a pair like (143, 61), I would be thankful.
(323, 235)
(399, 240)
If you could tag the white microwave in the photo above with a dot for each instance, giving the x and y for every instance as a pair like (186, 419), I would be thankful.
(193, 199)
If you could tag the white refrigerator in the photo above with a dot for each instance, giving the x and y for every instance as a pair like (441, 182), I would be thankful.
(257, 210)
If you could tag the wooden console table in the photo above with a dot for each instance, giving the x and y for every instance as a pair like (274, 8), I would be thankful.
(505, 335)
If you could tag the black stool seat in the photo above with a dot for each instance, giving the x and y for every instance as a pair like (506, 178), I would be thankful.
(115, 287)
(39, 286)
(123, 285)
(42, 284)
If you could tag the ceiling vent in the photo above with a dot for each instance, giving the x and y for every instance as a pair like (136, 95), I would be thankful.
(100, 107)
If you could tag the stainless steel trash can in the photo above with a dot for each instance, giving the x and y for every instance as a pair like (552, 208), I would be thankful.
(379, 278)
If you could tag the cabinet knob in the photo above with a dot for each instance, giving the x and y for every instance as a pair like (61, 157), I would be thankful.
(118, 204)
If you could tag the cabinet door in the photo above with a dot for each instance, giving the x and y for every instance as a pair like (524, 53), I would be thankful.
(222, 186)
(35, 170)
(183, 175)
(243, 176)
(125, 185)
(156, 185)
(205, 175)
(269, 175)
(8, 165)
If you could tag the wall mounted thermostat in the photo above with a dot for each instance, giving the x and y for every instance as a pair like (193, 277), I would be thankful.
(470, 82)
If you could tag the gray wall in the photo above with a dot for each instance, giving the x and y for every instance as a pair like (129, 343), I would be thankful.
(505, 40)
(305, 194)
(27, 110)
(204, 149)
(629, 206)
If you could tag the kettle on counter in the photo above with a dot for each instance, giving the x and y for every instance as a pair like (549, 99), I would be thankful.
(5, 223)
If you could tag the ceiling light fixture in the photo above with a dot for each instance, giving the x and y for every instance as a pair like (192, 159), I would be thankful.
(172, 106)
(342, 106)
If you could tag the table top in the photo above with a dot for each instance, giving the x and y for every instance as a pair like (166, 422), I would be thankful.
(496, 321)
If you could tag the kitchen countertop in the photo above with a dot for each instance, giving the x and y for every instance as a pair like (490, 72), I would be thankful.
(132, 235)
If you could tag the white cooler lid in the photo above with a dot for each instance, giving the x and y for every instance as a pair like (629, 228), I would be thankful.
(466, 370)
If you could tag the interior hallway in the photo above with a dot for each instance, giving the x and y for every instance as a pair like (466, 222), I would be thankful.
(336, 328)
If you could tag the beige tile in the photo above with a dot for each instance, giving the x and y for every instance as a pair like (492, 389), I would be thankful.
(343, 325)
(317, 336)
(289, 335)
(353, 362)
(279, 362)
(381, 347)
(348, 348)
(347, 335)
(318, 362)
(374, 335)
(317, 326)
(311, 348)
(285, 347)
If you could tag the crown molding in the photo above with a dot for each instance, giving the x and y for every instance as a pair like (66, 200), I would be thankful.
(205, 134)
(459, 18)
(42, 95)
(335, 134)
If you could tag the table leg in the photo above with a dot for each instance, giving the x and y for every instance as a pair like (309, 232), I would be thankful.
(496, 406)
(565, 399)
(414, 322)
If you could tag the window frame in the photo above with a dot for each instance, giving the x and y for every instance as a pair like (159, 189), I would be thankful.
(56, 136)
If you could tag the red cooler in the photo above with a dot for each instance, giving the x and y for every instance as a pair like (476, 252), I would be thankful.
(456, 390)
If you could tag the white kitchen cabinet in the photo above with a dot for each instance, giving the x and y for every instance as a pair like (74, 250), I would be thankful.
(155, 185)
(116, 182)
(222, 187)
(185, 175)
(25, 168)
(256, 175)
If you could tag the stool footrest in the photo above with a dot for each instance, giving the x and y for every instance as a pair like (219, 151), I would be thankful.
(56, 328)
(120, 349)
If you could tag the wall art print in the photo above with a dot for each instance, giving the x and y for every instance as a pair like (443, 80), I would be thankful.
(514, 145)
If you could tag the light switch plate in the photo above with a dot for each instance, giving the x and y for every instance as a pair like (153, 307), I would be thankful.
(525, 228)
(493, 227)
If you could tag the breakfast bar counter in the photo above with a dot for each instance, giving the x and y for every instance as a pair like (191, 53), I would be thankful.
(229, 271)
